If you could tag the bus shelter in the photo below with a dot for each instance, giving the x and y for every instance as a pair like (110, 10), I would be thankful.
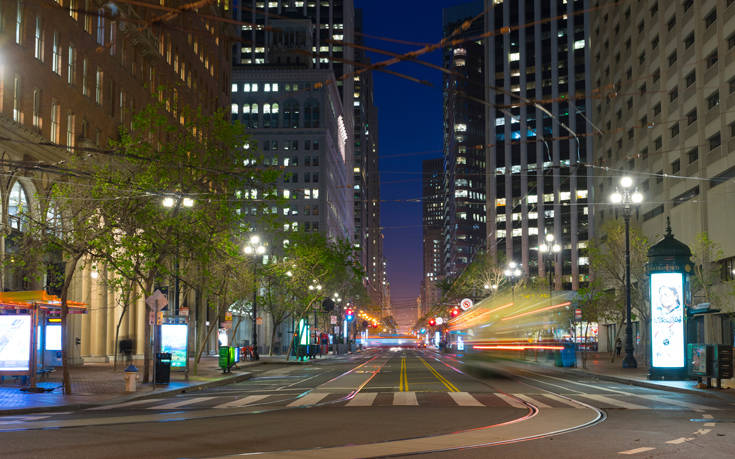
(30, 332)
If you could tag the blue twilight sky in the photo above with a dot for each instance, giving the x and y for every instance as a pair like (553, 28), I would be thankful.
(410, 116)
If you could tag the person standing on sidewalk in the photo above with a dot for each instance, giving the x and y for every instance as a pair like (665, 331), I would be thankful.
(618, 346)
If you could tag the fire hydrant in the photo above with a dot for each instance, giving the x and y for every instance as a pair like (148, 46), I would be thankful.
(131, 377)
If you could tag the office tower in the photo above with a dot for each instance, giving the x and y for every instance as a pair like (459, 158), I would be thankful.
(463, 232)
(432, 219)
(538, 93)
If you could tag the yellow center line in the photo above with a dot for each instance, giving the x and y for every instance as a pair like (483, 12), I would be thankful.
(442, 379)
(404, 375)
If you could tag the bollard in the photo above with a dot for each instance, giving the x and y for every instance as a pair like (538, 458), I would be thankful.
(131, 376)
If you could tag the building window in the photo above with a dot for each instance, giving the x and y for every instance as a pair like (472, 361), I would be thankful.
(55, 114)
(38, 40)
(658, 143)
(690, 78)
(98, 86)
(37, 108)
(19, 22)
(672, 58)
(693, 155)
(731, 83)
(673, 94)
(674, 129)
(672, 23)
(70, 142)
(74, 9)
(654, 43)
(656, 109)
(85, 87)
(17, 206)
(56, 55)
(714, 141)
(731, 41)
(689, 40)
(17, 110)
(710, 18)
(71, 65)
(711, 59)
(101, 27)
(713, 100)
(676, 167)
(687, 4)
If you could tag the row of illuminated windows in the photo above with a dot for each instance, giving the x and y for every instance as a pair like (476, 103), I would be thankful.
(548, 197)
(469, 194)
(267, 87)
(472, 216)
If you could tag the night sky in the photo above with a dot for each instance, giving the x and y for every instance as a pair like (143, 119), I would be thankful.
(410, 116)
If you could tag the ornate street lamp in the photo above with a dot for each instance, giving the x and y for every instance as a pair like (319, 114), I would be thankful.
(549, 249)
(255, 249)
(513, 272)
(627, 197)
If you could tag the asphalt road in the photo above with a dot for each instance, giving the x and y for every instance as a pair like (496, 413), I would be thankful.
(398, 403)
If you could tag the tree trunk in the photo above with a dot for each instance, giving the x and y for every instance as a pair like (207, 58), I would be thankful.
(617, 336)
(126, 306)
(71, 266)
(147, 332)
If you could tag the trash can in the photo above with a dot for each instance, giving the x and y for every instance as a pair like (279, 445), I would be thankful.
(163, 368)
(131, 376)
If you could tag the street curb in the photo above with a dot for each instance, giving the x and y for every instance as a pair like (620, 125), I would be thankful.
(163, 393)
(651, 385)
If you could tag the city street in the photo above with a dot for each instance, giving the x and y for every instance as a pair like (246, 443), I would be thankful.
(389, 402)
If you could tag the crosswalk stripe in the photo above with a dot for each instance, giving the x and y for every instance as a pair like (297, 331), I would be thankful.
(363, 399)
(242, 401)
(637, 450)
(125, 404)
(563, 400)
(510, 400)
(691, 406)
(180, 403)
(464, 399)
(613, 402)
(309, 399)
(532, 401)
(405, 399)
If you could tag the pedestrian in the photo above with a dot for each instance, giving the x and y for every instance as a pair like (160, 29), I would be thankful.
(618, 346)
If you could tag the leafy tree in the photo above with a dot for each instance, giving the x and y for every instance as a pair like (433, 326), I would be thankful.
(607, 263)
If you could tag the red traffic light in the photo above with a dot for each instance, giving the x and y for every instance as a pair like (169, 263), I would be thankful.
(432, 322)
(455, 312)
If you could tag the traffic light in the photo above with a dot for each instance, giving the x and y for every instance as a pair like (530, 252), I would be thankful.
(432, 322)
(455, 312)
(349, 315)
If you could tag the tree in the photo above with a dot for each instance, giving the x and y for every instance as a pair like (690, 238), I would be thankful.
(597, 304)
(607, 262)
(707, 275)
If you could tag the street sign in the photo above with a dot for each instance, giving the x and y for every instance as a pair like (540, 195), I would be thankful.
(157, 300)
(228, 316)
(333, 320)
(184, 311)
(466, 304)
(578, 314)
(259, 320)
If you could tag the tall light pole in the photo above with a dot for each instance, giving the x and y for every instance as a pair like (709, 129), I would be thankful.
(549, 249)
(255, 249)
(626, 196)
(176, 202)
(513, 272)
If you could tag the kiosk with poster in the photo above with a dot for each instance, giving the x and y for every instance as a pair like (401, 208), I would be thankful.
(669, 266)
(30, 333)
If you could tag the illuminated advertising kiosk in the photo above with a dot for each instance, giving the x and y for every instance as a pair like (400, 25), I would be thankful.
(669, 267)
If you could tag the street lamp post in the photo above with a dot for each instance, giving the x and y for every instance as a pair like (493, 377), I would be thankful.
(257, 250)
(549, 249)
(513, 272)
(626, 196)
(177, 202)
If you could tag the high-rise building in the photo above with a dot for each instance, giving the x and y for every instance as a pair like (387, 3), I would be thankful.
(287, 89)
(666, 80)
(463, 233)
(432, 220)
(72, 74)
(538, 94)
(366, 186)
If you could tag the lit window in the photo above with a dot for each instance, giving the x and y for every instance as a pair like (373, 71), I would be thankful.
(234, 87)
(514, 57)
(579, 44)
(460, 127)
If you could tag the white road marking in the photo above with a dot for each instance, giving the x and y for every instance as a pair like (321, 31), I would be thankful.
(702, 431)
(510, 400)
(680, 440)
(532, 401)
(243, 401)
(309, 399)
(613, 402)
(670, 401)
(464, 399)
(708, 416)
(125, 404)
(363, 399)
(709, 424)
(23, 418)
(405, 399)
(637, 450)
(180, 403)
(563, 400)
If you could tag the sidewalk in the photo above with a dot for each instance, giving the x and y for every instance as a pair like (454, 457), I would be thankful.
(599, 365)
(97, 384)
